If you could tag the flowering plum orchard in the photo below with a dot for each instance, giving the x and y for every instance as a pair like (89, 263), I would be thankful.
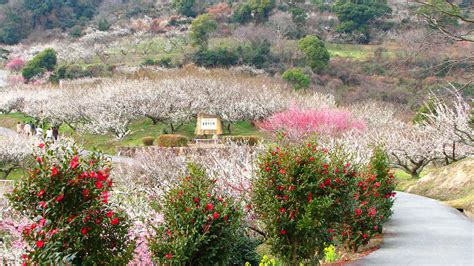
(110, 105)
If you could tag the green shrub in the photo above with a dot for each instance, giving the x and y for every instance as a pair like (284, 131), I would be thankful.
(65, 195)
(201, 27)
(150, 62)
(165, 62)
(46, 60)
(76, 31)
(247, 140)
(242, 14)
(172, 140)
(220, 57)
(184, 7)
(148, 141)
(200, 226)
(316, 54)
(103, 25)
(297, 78)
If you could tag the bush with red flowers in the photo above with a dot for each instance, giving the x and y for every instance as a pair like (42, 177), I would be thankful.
(373, 200)
(299, 195)
(200, 226)
(66, 197)
(304, 195)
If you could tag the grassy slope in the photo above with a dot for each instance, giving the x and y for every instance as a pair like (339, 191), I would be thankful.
(138, 130)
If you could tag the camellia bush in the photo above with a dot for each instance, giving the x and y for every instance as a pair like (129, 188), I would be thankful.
(298, 195)
(308, 197)
(65, 195)
(200, 226)
(372, 203)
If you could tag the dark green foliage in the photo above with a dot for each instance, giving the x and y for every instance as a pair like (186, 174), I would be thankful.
(79, 71)
(76, 31)
(13, 28)
(103, 25)
(44, 61)
(257, 54)
(244, 250)
(261, 9)
(201, 27)
(4, 53)
(298, 15)
(185, 7)
(242, 14)
(355, 16)
(60, 13)
(201, 227)
(220, 57)
(297, 78)
(316, 55)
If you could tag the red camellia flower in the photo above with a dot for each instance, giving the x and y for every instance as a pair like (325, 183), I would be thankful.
(115, 221)
(42, 204)
(282, 171)
(59, 198)
(40, 193)
(39, 243)
(364, 236)
(39, 160)
(215, 215)
(310, 197)
(372, 212)
(74, 163)
(84, 231)
(377, 184)
(209, 207)
(109, 214)
(311, 159)
(196, 200)
(358, 212)
(168, 256)
(98, 185)
(85, 193)
(283, 232)
(41, 145)
(54, 171)
(267, 169)
(282, 210)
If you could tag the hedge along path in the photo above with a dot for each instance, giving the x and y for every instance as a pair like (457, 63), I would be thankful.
(423, 231)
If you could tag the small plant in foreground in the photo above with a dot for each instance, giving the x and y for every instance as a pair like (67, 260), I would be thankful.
(66, 196)
(200, 226)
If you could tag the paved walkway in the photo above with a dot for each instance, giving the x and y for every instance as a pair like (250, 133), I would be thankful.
(423, 231)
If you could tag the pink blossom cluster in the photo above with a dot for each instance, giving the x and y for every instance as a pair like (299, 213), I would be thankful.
(15, 64)
(299, 123)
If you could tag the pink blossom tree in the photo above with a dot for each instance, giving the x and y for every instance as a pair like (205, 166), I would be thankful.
(15, 64)
(299, 123)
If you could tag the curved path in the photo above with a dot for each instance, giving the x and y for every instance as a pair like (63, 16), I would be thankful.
(423, 231)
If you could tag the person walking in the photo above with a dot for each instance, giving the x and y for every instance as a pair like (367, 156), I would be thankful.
(27, 129)
(49, 134)
(39, 132)
(19, 128)
(55, 133)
